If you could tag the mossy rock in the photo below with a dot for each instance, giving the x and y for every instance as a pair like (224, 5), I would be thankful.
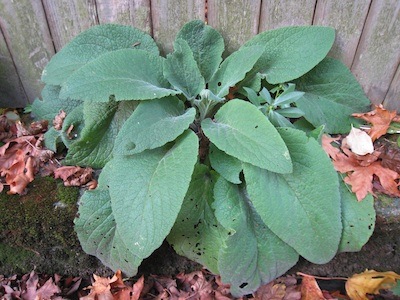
(36, 231)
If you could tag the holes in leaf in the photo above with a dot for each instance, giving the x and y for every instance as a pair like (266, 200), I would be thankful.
(130, 146)
(256, 127)
(219, 83)
(244, 284)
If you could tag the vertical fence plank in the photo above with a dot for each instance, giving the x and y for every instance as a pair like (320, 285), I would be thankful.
(237, 20)
(27, 36)
(348, 18)
(279, 13)
(127, 12)
(378, 54)
(11, 91)
(67, 19)
(168, 16)
(392, 99)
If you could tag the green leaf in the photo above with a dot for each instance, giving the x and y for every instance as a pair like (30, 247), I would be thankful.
(332, 94)
(290, 52)
(196, 233)
(147, 191)
(95, 144)
(72, 126)
(233, 69)
(51, 104)
(227, 166)
(98, 232)
(181, 70)
(242, 131)
(253, 255)
(91, 44)
(52, 138)
(153, 124)
(302, 208)
(126, 74)
(207, 46)
(358, 220)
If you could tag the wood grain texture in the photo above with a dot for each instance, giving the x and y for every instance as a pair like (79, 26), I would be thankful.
(236, 20)
(27, 35)
(66, 19)
(280, 13)
(348, 18)
(392, 99)
(126, 12)
(378, 55)
(12, 93)
(168, 16)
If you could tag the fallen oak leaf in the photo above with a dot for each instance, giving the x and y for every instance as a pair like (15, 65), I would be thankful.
(100, 288)
(74, 175)
(380, 120)
(369, 282)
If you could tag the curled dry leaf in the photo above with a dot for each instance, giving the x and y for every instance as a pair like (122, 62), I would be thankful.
(370, 282)
(59, 119)
(359, 142)
(310, 289)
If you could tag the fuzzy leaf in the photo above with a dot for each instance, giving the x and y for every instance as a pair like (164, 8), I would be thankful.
(287, 51)
(126, 74)
(181, 70)
(102, 122)
(207, 46)
(242, 131)
(147, 191)
(98, 232)
(358, 220)
(307, 201)
(332, 94)
(253, 255)
(91, 44)
(227, 166)
(196, 233)
(51, 104)
(233, 69)
(153, 124)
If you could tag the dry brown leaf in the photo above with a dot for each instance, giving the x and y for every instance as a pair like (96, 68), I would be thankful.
(59, 119)
(100, 288)
(74, 175)
(271, 291)
(310, 289)
(369, 282)
(380, 120)
(361, 170)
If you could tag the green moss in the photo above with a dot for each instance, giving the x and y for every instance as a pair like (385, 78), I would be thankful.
(33, 223)
(14, 259)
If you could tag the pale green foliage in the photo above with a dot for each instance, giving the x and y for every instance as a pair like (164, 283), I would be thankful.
(204, 152)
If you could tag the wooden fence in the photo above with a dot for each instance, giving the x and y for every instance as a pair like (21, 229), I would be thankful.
(368, 33)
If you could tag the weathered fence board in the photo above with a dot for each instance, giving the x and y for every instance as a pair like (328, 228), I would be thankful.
(127, 12)
(11, 90)
(237, 20)
(25, 29)
(348, 18)
(378, 54)
(67, 19)
(392, 99)
(368, 33)
(167, 21)
(279, 13)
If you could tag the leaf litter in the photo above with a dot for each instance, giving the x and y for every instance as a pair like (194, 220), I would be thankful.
(200, 285)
